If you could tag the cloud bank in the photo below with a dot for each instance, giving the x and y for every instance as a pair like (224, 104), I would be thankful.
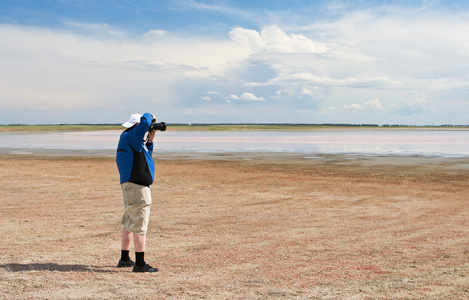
(384, 65)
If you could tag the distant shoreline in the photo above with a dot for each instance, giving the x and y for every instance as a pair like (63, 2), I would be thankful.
(226, 127)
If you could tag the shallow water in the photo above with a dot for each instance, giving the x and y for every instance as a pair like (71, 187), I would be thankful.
(442, 143)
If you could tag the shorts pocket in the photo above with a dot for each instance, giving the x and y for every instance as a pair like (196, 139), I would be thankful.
(134, 193)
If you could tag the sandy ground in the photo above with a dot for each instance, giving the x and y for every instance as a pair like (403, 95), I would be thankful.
(257, 227)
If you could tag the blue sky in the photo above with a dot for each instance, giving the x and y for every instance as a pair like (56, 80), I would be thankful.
(188, 61)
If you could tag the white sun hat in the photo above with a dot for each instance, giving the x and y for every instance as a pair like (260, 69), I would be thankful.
(134, 119)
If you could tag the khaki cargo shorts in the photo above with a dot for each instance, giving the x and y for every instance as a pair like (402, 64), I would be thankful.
(137, 201)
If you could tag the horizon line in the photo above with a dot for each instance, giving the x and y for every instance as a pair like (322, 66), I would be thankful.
(253, 124)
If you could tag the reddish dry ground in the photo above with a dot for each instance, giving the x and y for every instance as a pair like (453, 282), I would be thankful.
(238, 229)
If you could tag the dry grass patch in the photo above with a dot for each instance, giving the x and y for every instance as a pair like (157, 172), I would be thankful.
(237, 229)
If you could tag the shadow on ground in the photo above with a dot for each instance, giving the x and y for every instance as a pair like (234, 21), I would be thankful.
(54, 267)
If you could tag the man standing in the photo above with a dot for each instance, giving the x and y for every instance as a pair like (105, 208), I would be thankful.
(137, 170)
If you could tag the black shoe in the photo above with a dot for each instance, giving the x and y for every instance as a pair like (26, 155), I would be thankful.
(125, 264)
(144, 268)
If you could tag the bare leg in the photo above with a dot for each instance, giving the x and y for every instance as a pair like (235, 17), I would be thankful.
(140, 241)
(126, 238)
(140, 264)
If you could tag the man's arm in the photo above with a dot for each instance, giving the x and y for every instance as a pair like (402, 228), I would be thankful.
(151, 136)
(137, 134)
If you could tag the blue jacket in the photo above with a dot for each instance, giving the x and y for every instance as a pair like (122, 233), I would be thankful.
(134, 157)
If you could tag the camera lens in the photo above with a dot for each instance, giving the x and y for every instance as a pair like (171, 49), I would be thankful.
(158, 126)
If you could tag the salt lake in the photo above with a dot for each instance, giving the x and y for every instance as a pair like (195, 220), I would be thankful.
(369, 142)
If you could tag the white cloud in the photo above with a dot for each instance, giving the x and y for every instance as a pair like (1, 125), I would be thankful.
(375, 54)
(243, 97)
(250, 97)
(232, 98)
(310, 91)
(247, 37)
(272, 39)
(155, 34)
(371, 105)
(49, 69)
(414, 103)
(374, 104)
(389, 49)
(353, 107)
(101, 29)
(380, 54)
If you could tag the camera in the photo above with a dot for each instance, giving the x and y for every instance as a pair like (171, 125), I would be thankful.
(157, 126)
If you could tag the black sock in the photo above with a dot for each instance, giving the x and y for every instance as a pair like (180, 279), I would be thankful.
(125, 255)
(139, 258)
